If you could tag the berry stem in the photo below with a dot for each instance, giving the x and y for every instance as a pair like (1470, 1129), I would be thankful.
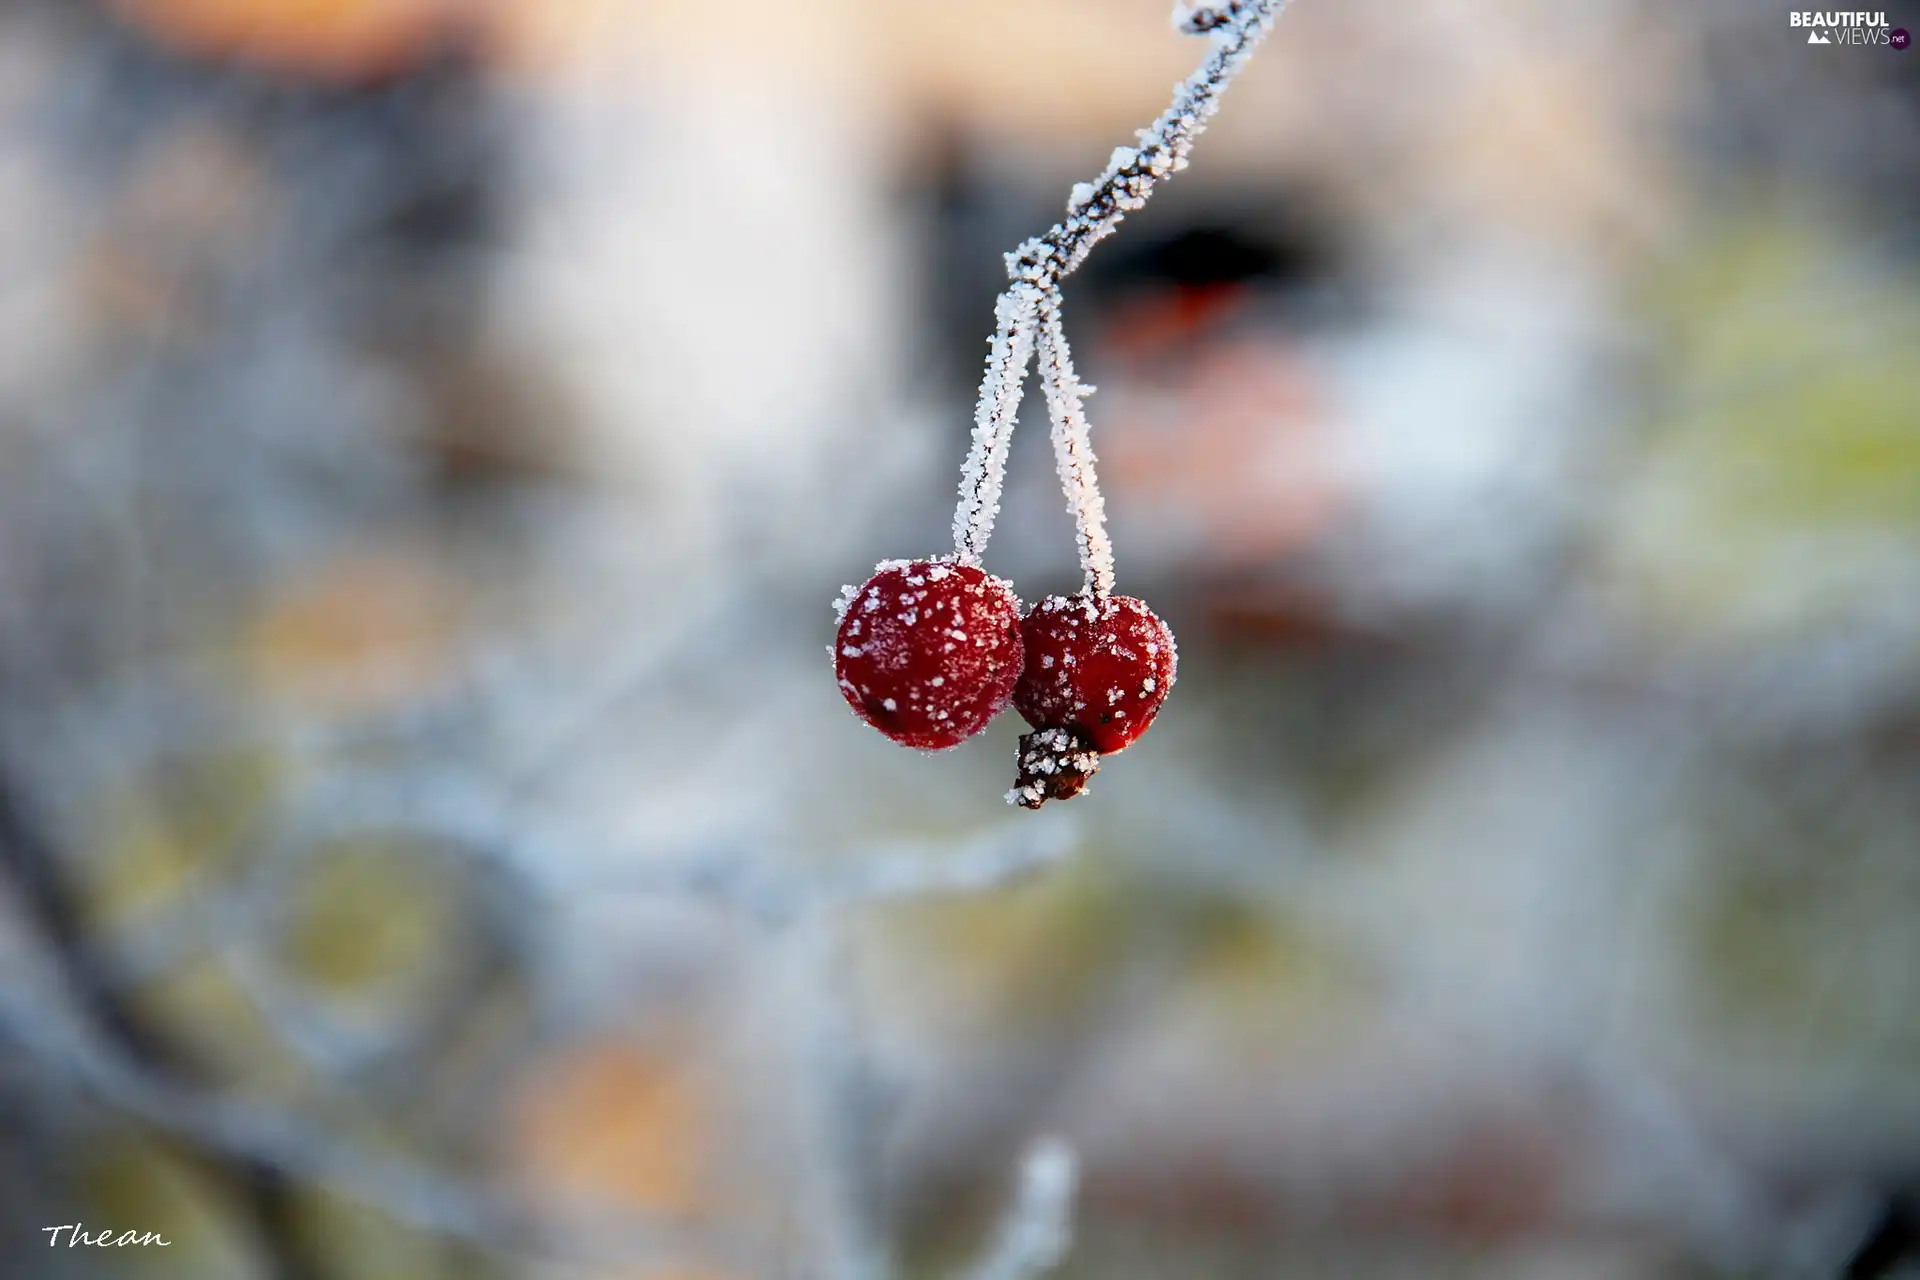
(1073, 447)
(1094, 210)
(984, 473)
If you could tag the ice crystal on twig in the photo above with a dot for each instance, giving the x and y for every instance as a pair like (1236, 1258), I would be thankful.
(1073, 448)
(1095, 209)
(984, 472)
(1037, 266)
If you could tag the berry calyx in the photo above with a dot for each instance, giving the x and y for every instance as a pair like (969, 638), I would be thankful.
(928, 651)
(1054, 764)
(1097, 668)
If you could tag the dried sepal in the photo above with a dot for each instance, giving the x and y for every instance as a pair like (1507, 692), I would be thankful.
(1053, 764)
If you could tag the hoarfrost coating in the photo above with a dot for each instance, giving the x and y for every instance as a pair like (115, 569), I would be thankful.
(1073, 449)
(1037, 266)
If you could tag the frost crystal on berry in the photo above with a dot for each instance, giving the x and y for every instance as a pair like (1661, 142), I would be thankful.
(931, 654)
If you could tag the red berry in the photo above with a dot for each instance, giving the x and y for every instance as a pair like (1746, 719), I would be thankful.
(928, 651)
(1098, 667)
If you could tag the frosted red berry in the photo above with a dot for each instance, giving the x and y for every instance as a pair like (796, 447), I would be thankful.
(1096, 671)
(928, 651)
(1098, 666)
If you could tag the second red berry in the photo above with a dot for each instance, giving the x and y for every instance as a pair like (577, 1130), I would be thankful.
(1098, 666)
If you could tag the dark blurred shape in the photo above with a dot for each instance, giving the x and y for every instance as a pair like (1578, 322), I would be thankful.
(1275, 245)
(1893, 1242)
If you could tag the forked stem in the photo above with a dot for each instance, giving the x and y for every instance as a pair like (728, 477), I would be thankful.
(1094, 209)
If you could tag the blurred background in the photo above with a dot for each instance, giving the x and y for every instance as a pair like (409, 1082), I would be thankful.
(432, 843)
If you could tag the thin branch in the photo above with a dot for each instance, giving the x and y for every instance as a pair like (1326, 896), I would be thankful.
(845, 1108)
(983, 474)
(1038, 1227)
(1094, 210)
(747, 884)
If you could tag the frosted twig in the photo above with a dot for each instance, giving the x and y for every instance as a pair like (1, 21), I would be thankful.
(990, 861)
(1094, 209)
(984, 473)
(875, 876)
(1038, 1228)
(845, 1107)
(1073, 447)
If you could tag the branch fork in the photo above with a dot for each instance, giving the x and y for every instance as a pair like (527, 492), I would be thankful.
(1027, 317)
